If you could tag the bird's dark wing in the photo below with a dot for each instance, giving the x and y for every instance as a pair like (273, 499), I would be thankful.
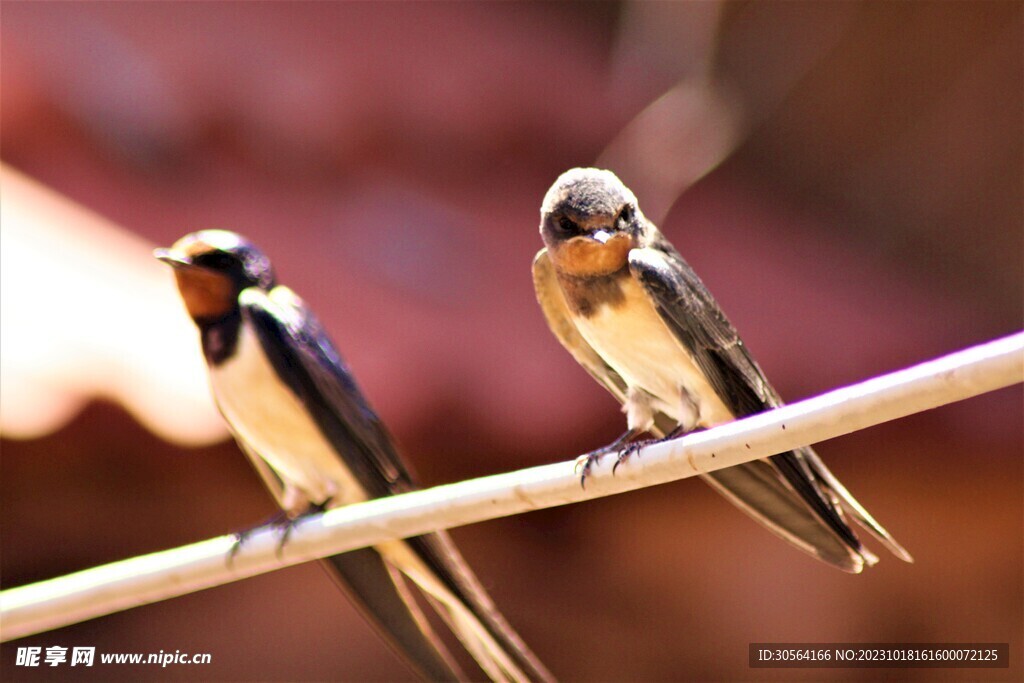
(792, 493)
(382, 595)
(307, 361)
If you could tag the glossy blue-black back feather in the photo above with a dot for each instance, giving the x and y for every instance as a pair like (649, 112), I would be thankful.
(307, 361)
(695, 319)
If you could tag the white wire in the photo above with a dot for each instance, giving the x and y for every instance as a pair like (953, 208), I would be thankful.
(141, 580)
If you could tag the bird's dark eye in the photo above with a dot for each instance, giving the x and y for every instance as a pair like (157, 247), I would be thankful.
(567, 225)
(626, 215)
(216, 260)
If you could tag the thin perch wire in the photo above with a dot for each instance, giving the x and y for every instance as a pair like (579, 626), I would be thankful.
(142, 580)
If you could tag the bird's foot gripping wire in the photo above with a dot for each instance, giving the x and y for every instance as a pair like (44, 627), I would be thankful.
(291, 522)
(634, 447)
(585, 462)
(281, 521)
(623, 447)
(241, 537)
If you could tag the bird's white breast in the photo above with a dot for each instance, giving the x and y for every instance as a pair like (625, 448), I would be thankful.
(631, 337)
(265, 413)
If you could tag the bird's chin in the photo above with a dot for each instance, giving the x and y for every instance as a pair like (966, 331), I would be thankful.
(586, 257)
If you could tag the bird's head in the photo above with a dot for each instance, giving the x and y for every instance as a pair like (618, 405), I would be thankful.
(589, 222)
(212, 267)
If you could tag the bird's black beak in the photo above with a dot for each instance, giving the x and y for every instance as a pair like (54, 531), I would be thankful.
(172, 258)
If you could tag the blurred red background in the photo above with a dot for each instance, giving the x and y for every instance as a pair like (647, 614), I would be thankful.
(391, 159)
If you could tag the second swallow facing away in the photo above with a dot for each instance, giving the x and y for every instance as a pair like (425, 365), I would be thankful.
(296, 412)
(633, 313)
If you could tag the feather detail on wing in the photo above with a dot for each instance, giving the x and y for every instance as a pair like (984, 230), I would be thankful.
(306, 360)
(382, 595)
(308, 363)
(692, 315)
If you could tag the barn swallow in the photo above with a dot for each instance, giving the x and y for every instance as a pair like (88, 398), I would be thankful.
(297, 413)
(632, 312)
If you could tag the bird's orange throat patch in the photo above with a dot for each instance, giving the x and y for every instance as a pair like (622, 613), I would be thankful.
(586, 257)
(207, 295)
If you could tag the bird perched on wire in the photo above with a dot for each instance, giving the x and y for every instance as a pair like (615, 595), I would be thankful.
(632, 312)
(297, 413)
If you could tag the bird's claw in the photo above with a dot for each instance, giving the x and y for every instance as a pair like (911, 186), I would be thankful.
(582, 467)
(585, 462)
(242, 536)
(286, 531)
(623, 447)
(280, 521)
(631, 449)
(290, 523)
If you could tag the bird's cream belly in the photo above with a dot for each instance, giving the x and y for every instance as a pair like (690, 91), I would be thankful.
(271, 420)
(632, 338)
